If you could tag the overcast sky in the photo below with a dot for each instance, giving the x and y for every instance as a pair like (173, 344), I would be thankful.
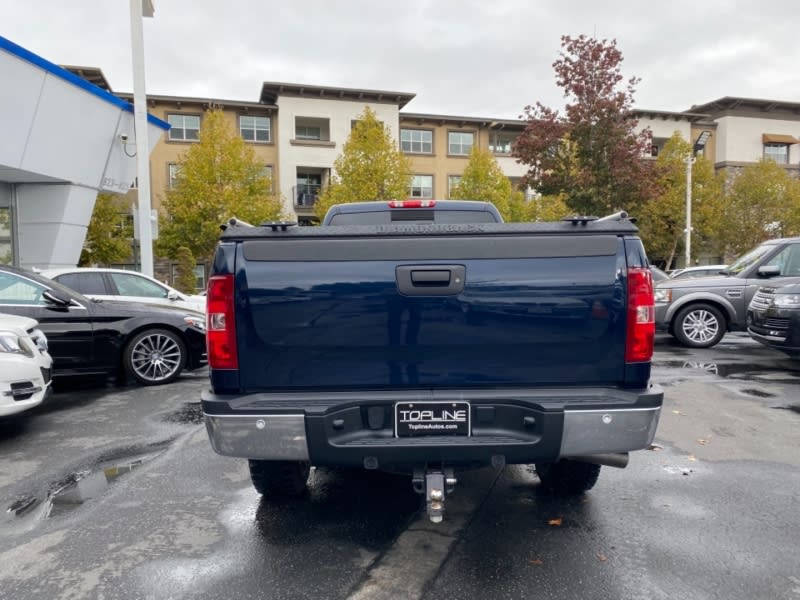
(485, 58)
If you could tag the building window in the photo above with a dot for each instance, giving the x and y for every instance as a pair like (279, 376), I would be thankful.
(777, 152)
(184, 128)
(418, 141)
(308, 132)
(199, 276)
(421, 186)
(255, 129)
(459, 143)
(6, 246)
(452, 182)
(266, 171)
(501, 143)
(312, 129)
(174, 174)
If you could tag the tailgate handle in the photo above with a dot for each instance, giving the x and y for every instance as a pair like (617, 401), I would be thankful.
(430, 280)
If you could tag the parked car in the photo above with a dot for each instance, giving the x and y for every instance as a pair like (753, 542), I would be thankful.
(773, 317)
(152, 344)
(698, 311)
(658, 274)
(24, 365)
(127, 286)
(700, 271)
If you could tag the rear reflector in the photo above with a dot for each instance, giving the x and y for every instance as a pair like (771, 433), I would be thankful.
(412, 203)
(220, 324)
(640, 336)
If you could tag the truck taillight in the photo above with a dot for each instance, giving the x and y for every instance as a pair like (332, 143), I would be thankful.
(412, 203)
(641, 332)
(220, 323)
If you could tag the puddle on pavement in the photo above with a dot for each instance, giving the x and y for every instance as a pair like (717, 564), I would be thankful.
(792, 407)
(737, 371)
(191, 413)
(71, 492)
(758, 393)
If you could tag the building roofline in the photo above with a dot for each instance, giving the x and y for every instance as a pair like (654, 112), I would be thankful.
(91, 74)
(270, 90)
(690, 116)
(209, 101)
(485, 121)
(76, 80)
(731, 102)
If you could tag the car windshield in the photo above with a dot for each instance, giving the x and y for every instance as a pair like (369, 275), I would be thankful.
(748, 259)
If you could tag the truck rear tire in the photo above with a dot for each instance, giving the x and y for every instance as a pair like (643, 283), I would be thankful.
(279, 479)
(568, 477)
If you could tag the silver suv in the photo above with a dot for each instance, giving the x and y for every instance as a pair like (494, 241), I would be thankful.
(699, 311)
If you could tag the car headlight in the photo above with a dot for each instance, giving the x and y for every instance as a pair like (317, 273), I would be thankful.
(196, 322)
(786, 300)
(663, 295)
(13, 344)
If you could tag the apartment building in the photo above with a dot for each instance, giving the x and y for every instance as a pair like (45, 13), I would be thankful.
(298, 131)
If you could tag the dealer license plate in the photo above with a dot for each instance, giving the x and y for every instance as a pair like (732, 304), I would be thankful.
(431, 418)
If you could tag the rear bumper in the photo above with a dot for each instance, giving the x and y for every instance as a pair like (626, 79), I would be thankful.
(531, 427)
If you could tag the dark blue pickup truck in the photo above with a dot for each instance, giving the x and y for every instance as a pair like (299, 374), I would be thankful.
(430, 348)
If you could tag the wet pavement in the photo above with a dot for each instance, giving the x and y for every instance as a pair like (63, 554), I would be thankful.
(115, 493)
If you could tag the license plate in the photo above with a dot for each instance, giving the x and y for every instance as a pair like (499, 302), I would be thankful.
(431, 418)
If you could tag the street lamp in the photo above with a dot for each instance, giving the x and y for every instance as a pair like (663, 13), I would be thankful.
(689, 159)
(140, 9)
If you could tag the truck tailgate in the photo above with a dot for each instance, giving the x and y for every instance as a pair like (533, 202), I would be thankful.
(443, 311)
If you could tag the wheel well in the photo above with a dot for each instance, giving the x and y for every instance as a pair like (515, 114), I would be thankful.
(721, 308)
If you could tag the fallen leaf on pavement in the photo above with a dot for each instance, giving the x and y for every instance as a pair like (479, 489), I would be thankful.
(536, 561)
(677, 412)
(655, 447)
(601, 557)
(555, 522)
(702, 442)
(692, 458)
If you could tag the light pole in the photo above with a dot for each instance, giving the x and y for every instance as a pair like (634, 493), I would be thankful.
(689, 160)
(140, 9)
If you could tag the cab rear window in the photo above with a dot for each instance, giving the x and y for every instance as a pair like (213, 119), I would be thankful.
(411, 216)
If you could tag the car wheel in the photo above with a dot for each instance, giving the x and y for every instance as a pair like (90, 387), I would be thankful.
(279, 478)
(155, 356)
(568, 477)
(699, 326)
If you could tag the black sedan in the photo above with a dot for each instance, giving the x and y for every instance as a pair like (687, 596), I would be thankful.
(87, 337)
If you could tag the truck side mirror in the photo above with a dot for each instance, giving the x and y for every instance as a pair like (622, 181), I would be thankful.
(769, 271)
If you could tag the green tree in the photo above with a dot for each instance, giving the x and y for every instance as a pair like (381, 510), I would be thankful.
(370, 167)
(662, 220)
(108, 238)
(539, 208)
(185, 279)
(219, 178)
(763, 202)
(484, 180)
(591, 154)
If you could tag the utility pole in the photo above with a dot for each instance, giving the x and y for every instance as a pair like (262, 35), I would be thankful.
(140, 9)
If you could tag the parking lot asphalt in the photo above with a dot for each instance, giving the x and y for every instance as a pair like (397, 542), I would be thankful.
(115, 492)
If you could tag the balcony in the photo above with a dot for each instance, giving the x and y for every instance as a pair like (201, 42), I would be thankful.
(305, 195)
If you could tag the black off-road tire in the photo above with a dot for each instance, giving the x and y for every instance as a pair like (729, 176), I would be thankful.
(699, 326)
(276, 479)
(568, 477)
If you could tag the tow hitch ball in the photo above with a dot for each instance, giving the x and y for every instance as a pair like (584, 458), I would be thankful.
(435, 485)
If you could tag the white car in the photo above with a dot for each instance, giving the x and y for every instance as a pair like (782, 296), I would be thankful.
(25, 365)
(700, 271)
(127, 286)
